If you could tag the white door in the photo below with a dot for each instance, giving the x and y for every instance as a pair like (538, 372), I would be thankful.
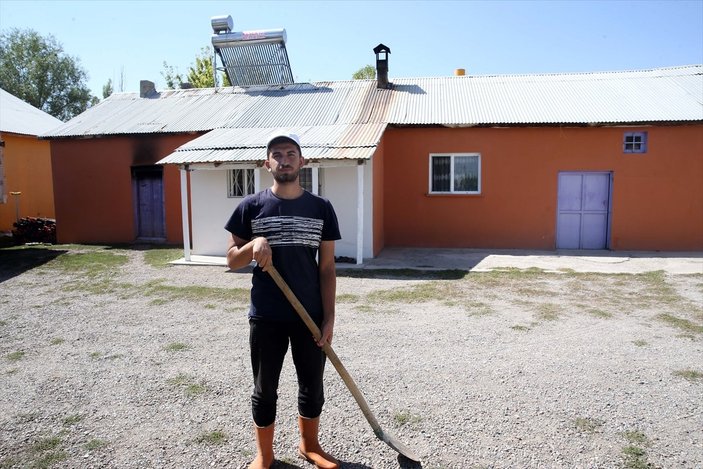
(583, 210)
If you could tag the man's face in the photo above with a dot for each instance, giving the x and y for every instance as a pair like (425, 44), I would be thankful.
(284, 162)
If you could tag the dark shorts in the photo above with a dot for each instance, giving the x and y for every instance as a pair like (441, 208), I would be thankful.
(268, 343)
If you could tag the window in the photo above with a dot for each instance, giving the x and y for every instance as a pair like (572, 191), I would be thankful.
(455, 174)
(240, 182)
(305, 179)
(635, 142)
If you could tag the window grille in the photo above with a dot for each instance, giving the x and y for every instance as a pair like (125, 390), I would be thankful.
(635, 142)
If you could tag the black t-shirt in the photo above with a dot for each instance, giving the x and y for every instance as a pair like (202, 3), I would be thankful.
(294, 229)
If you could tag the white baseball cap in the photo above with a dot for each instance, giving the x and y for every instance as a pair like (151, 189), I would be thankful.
(280, 137)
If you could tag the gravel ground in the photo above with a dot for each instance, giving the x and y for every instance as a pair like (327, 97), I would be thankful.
(133, 365)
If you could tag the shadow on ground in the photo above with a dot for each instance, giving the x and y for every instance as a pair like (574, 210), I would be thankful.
(399, 274)
(14, 262)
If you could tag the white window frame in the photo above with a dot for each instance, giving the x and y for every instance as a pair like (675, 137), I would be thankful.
(637, 143)
(310, 179)
(451, 173)
(249, 182)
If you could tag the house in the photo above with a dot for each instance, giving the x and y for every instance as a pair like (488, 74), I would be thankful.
(26, 187)
(610, 160)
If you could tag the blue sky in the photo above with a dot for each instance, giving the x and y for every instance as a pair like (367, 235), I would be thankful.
(330, 40)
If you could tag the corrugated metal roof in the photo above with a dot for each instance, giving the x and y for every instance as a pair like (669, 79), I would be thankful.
(329, 142)
(19, 117)
(660, 95)
(336, 109)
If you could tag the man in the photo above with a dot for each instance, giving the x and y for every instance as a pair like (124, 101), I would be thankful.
(287, 226)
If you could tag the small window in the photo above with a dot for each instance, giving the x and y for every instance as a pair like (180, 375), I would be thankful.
(635, 142)
(455, 174)
(240, 182)
(305, 179)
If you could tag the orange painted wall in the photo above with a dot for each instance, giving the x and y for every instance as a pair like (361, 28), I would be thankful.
(657, 197)
(27, 165)
(93, 187)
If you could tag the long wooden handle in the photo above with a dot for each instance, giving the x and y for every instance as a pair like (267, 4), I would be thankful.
(327, 348)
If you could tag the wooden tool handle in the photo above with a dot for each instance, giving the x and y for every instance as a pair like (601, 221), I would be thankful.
(327, 348)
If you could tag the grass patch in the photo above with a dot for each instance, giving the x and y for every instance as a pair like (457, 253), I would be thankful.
(165, 293)
(95, 355)
(640, 343)
(45, 444)
(176, 347)
(404, 417)
(49, 459)
(636, 437)
(3, 323)
(424, 292)
(348, 298)
(15, 356)
(57, 341)
(690, 375)
(587, 424)
(599, 313)
(479, 309)
(90, 263)
(72, 420)
(187, 383)
(160, 258)
(520, 327)
(212, 438)
(548, 312)
(95, 444)
(635, 457)
(680, 323)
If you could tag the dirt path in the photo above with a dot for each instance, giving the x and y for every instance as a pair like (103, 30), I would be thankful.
(108, 361)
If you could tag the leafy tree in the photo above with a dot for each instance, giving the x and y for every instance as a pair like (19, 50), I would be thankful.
(199, 74)
(37, 70)
(107, 88)
(365, 73)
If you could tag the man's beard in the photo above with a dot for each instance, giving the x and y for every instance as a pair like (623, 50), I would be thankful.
(283, 178)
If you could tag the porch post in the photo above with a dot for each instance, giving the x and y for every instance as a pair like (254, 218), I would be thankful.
(360, 213)
(315, 180)
(184, 212)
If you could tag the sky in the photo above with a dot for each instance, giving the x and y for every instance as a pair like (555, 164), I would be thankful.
(330, 40)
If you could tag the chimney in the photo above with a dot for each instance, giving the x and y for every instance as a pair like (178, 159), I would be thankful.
(459, 72)
(146, 88)
(382, 52)
(186, 85)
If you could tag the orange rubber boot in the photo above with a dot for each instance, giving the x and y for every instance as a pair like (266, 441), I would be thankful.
(310, 446)
(264, 447)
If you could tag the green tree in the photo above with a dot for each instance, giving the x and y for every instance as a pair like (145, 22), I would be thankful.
(199, 74)
(37, 70)
(365, 73)
(107, 88)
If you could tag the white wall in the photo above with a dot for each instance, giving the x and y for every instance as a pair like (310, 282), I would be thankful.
(211, 208)
(340, 187)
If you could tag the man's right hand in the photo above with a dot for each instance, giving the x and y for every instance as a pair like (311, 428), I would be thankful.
(261, 253)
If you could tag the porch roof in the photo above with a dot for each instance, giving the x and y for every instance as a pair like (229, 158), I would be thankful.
(247, 145)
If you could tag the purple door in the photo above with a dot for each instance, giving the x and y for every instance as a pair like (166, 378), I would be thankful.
(149, 204)
(583, 210)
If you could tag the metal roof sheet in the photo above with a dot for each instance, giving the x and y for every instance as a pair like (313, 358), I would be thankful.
(673, 94)
(19, 117)
(669, 94)
(329, 142)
